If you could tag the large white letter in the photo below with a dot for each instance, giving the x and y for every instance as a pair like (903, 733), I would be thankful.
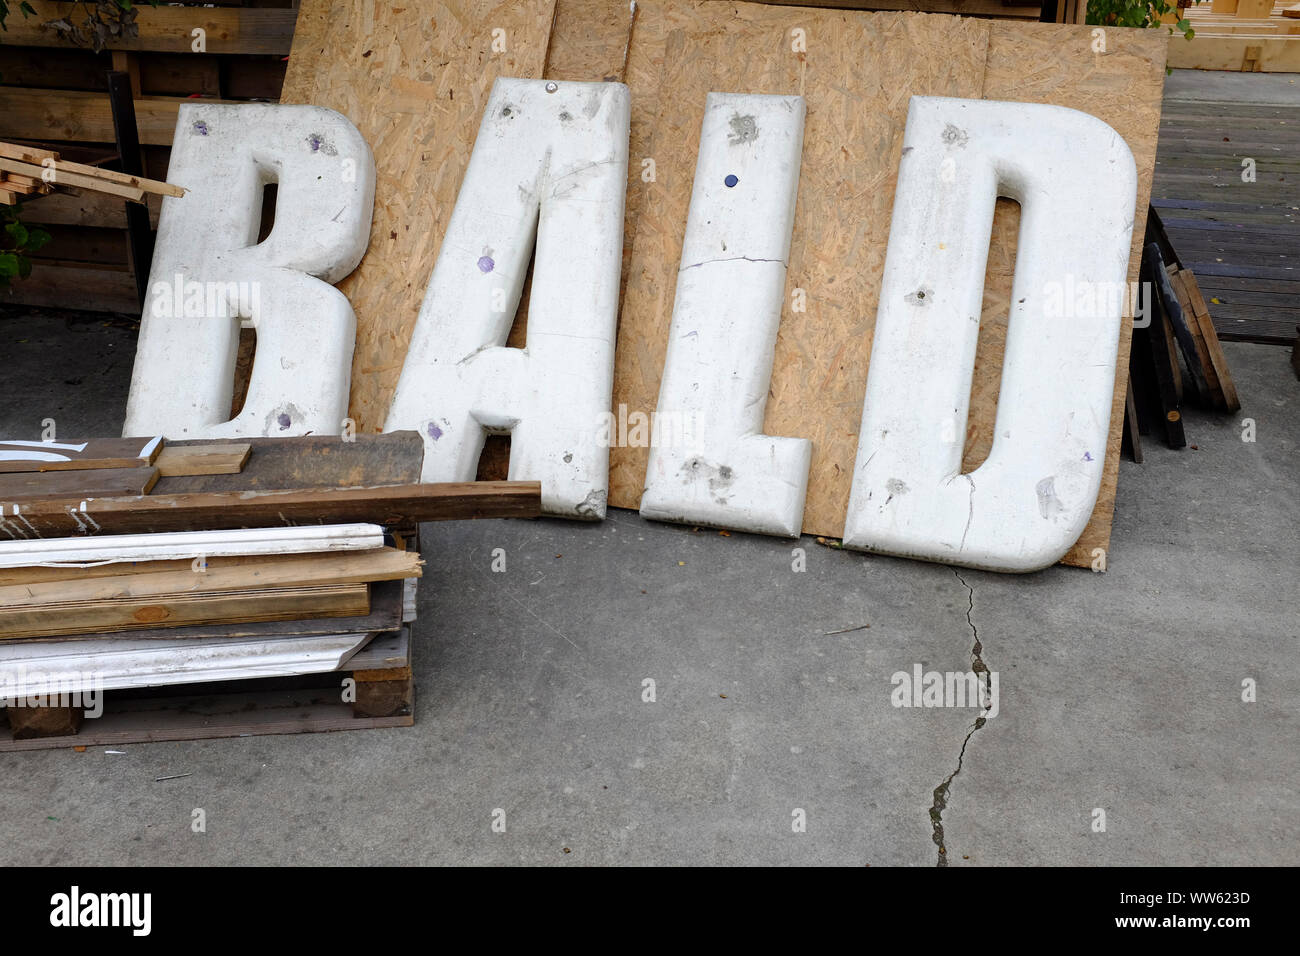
(710, 462)
(558, 149)
(210, 272)
(1028, 503)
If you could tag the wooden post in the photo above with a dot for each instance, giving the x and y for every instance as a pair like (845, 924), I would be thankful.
(139, 234)
(384, 693)
(28, 722)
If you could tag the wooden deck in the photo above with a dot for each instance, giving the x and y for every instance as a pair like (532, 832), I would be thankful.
(1241, 239)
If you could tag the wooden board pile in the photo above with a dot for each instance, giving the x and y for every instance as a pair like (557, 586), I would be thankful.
(30, 170)
(128, 564)
(55, 95)
(1177, 359)
(1249, 36)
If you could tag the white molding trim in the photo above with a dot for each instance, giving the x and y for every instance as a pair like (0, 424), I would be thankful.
(110, 664)
(110, 549)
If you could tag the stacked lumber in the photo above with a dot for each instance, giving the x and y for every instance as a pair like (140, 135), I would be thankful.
(30, 170)
(1177, 359)
(54, 94)
(135, 564)
(1249, 36)
(221, 582)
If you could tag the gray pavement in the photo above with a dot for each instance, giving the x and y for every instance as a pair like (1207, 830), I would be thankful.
(1119, 691)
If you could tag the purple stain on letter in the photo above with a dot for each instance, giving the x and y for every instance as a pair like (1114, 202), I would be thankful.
(485, 264)
(284, 421)
(434, 431)
(1087, 456)
(314, 140)
(201, 128)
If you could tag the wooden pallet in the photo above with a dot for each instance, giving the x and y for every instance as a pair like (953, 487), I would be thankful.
(54, 94)
(384, 697)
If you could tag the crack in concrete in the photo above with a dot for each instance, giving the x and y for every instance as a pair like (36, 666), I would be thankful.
(981, 671)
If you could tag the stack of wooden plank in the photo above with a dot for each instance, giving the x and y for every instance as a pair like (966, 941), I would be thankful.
(59, 587)
(30, 170)
(1177, 359)
(1249, 36)
(133, 566)
(54, 93)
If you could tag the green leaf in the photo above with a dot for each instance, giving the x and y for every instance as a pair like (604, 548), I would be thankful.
(36, 239)
(27, 9)
(8, 265)
(24, 267)
(18, 233)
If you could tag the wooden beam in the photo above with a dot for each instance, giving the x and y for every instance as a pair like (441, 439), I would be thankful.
(1213, 350)
(1215, 390)
(1173, 310)
(82, 116)
(1155, 365)
(313, 462)
(64, 485)
(78, 455)
(385, 614)
(203, 460)
(1132, 427)
(28, 154)
(393, 505)
(96, 617)
(26, 723)
(63, 167)
(74, 285)
(290, 571)
(77, 180)
(40, 574)
(169, 28)
(88, 209)
(1235, 53)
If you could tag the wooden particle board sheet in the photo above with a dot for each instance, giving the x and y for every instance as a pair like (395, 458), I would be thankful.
(414, 78)
(856, 72)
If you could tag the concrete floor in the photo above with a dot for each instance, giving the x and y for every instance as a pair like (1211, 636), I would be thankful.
(1119, 691)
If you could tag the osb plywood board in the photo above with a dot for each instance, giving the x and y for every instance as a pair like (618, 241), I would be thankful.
(420, 102)
(414, 78)
(857, 74)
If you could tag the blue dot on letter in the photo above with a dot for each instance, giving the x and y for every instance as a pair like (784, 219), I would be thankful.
(731, 181)
(485, 264)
